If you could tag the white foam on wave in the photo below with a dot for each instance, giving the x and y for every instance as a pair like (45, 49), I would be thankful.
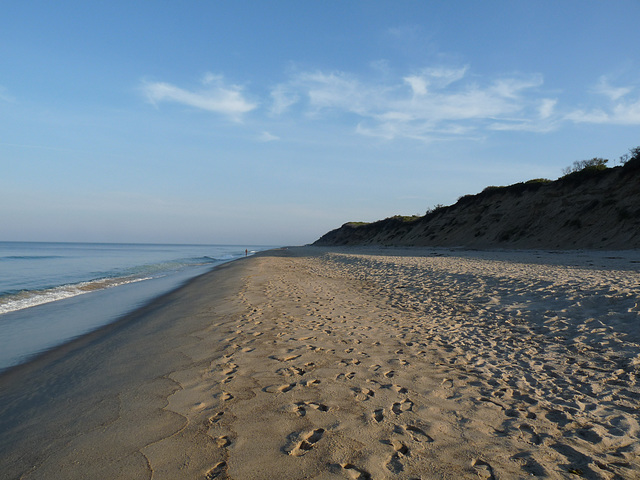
(27, 299)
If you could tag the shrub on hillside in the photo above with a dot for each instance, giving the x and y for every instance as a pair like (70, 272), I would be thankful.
(631, 161)
(634, 154)
(595, 163)
(434, 209)
(535, 181)
(355, 224)
(404, 218)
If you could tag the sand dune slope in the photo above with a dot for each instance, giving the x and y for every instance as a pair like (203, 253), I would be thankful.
(586, 209)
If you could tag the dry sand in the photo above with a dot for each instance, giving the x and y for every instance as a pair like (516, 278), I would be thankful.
(356, 364)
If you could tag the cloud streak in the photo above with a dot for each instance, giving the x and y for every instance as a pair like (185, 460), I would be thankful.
(621, 113)
(622, 109)
(214, 96)
(431, 103)
(267, 137)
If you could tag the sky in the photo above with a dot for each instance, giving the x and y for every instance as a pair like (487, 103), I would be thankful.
(250, 122)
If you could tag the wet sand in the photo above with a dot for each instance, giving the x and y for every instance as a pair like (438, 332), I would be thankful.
(329, 363)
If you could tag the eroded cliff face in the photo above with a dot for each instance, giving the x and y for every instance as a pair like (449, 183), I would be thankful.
(583, 210)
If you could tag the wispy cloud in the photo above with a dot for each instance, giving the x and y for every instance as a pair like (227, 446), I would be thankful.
(435, 102)
(267, 137)
(622, 113)
(214, 96)
(613, 93)
(546, 108)
(622, 108)
(418, 84)
(282, 98)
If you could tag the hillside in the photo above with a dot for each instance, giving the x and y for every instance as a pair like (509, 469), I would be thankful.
(585, 209)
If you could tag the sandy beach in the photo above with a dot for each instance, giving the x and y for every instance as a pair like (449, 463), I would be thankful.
(355, 363)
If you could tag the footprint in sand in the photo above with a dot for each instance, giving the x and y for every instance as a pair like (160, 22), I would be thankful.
(309, 383)
(447, 383)
(483, 469)
(226, 396)
(286, 388)
(356, 473)
(400, 447)
(405, 406)
(399, 389)
(307, 442)
(586, 433)
(300, 407)
(215, 418)
(291, 371)
(350, 361)
(230, 369)
(529, 465)
(394, 464)
(558, 417)
(528, 430)
(362, 394)
(223, 441)
(346, 376)
(216, 471)
(378, 415)
(401, 450)
(418, 434)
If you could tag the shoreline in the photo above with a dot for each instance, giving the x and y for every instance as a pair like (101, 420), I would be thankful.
(34, 392)
(348, 363)
(82, 341)
(56, 323)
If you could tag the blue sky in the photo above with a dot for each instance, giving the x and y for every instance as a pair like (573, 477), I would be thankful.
(274, 122)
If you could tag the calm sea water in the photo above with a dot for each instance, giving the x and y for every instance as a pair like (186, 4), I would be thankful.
(51, 293)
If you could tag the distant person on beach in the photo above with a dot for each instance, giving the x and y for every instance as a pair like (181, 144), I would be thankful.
(246, 252)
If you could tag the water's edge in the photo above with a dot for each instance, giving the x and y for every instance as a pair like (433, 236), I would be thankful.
(117, 322)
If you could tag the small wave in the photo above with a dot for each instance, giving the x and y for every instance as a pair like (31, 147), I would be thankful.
(13, 301)
(224, 258)
(32, 298)
(201, 260)
(166, 267)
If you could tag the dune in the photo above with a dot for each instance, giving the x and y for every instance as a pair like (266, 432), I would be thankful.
(589, 209)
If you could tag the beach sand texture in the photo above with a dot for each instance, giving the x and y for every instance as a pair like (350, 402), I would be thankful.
(349, 364)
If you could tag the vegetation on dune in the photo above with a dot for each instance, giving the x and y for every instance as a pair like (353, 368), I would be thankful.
(577, 172)
(596, 167)
(405, 218)
(634, 154)
(355, 224)
(542, 181)
(435, 209)
(593, 164)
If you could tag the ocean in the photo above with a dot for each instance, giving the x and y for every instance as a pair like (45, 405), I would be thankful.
(51, 293)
